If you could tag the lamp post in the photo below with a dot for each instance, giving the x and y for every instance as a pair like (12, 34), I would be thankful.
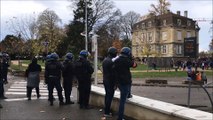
(95, 49)
(19, 61)
(86, 41)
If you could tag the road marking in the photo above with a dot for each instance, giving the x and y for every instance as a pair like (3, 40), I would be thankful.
(19, 88)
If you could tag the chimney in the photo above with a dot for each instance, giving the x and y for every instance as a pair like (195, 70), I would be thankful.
(185, 13)
(178, 12)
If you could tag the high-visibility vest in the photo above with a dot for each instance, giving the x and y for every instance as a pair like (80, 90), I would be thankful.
(198, 76)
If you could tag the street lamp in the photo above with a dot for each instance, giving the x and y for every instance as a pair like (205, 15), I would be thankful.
(86, 41)
(19, 61)
(95, 49)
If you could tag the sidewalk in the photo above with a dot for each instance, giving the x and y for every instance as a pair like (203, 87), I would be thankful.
(17, 107)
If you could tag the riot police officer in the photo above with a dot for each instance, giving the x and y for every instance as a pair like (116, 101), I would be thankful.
(1, 80)
(122, 66)
(83, 72)
(5, 65)
(109, 79)
(68, 73)
(53, 70)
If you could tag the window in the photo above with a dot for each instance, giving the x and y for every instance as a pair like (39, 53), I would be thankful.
(143, 37)
(150, 36)
(164, 49)
(188, 23)
(179, 22)
(150, 24)
(179, 35)
(164, 22)
(178, 49)
(188, 34)
(164, 35)
(143, 25)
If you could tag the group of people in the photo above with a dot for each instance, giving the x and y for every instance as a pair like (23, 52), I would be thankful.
(116, 73)
(4, 64)
(81, 69)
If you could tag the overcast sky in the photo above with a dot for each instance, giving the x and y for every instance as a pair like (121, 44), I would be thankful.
(197, 9)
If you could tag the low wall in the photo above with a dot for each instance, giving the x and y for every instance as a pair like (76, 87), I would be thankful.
(142, 108)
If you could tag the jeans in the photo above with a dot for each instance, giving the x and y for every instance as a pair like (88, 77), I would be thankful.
(109, 89)
(124, 91)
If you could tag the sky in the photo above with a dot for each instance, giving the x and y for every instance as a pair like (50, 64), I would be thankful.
(197, 9)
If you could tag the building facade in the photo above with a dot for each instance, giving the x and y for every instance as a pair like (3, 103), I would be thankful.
(163, 35)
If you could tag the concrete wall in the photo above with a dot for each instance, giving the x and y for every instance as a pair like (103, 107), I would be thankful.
(142, 108)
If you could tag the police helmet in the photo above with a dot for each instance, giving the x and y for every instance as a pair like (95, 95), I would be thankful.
(69, 56)
(54, 56)
(48, 57)
(84, 53)
(126, 51)
(112, 51)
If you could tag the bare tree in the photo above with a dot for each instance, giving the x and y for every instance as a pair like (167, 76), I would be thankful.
(102, 11)
(161, 8)
(24, 25)
(127, 22)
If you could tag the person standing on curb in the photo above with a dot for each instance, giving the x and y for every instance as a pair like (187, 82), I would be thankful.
(53, 70)
(68, 73)
(83, 71)
(122, 66)
(33, 78)
(109, 80)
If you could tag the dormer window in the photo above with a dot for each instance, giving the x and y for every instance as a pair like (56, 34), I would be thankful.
(179, 22)
(149, 23)
(143, 25)
(188, 23)
(164, 22)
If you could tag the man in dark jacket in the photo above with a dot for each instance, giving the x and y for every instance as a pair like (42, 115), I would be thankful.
(1, 81)
(83, 72)
(68, 73)
(109, 79)
(34, 69)
(5, 65)
(53, 70)
(122, 66)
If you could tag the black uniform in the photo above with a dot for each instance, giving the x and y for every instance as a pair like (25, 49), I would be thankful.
(5, 65)
(68, 74)
(52, 79)
(109, 82)
(83, 71)
(1, 82)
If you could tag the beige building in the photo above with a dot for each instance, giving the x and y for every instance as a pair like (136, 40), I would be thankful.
(163, 35)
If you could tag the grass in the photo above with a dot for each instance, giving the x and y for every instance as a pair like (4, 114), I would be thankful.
(139, 72)
(40, 62)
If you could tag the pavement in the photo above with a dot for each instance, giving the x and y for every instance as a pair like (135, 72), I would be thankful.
(17, 107)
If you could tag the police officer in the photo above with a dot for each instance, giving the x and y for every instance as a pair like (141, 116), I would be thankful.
(5, 65)
(68, 73)
(1, 80)
(122, 66)
(109, 79)
(53, 70)
(83, 72)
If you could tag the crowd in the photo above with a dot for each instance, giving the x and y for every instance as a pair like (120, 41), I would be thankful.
(116, 74)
